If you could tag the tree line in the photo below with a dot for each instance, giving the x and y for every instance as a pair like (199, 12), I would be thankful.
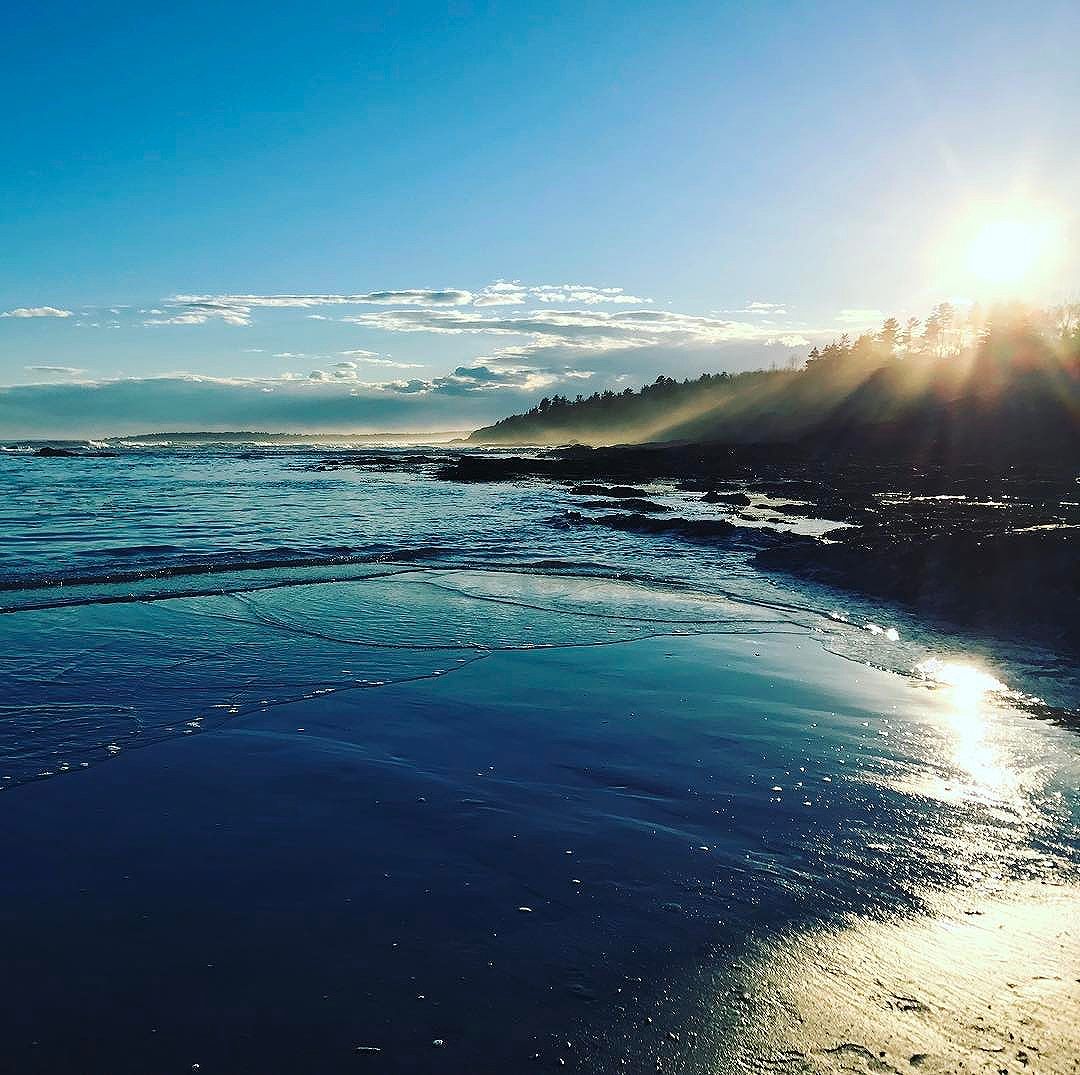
(871, 376)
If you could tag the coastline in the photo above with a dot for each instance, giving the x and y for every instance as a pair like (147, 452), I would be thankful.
(973, 546)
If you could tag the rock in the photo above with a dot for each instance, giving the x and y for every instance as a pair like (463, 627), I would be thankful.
(631, 504)
(1020, 578)
(644, 524)
(619, 492)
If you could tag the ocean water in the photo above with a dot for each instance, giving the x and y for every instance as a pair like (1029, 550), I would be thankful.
(306, 769)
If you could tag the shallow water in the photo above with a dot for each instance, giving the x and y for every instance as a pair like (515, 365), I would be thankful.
(422, 766)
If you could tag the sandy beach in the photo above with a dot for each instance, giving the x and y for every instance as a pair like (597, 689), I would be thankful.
(680, 847)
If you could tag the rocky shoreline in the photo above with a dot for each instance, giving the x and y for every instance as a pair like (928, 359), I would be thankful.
(990, 549)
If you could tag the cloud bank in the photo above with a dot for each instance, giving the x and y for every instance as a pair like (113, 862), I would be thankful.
(36, 311)
(351, 395)
(530, 340)
(237, 309)
(590, 330)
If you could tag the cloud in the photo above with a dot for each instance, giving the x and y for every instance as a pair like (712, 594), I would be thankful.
(351, 360)
(230, 317)
(236, 309)
(773, 309)
(502, 293)
(859, 316)
(513, 293)
(58, 371)
(370, 359)
(583, 293)
(478, 378)
(36, 311)
(353, 370)
(589, 329)
(414, 298)
(505, 380)
(186, 402)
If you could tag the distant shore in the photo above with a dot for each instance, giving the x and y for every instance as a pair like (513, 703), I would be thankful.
(444, 436)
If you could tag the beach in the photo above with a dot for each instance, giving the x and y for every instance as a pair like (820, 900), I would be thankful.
(604, 827)
(540, 539)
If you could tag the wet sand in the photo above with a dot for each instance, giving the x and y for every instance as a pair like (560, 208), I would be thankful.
(692, 852)
(988, 988)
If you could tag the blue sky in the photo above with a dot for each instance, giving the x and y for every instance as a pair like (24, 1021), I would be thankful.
(473, 204)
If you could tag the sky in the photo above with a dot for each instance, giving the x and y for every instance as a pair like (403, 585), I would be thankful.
(354, 217)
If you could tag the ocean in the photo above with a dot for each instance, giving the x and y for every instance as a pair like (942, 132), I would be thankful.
(312, 761)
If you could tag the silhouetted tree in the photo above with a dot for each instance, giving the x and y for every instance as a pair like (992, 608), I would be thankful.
(889, 334)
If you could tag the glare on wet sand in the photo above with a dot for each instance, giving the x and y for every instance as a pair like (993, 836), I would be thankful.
(971, 989)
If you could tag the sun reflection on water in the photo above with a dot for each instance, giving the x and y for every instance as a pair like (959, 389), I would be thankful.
(964, 678)
(966, 689)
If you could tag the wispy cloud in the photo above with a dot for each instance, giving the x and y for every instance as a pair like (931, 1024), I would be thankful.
(230, 317)
(236, 309)
(36, 311)
(859, 316)
(594, 329)
(761, 309)
(369, 358)
(343, 361)
(514, 293)
(56, 371)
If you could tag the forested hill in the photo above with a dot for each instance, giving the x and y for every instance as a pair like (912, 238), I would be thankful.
(1009, 386)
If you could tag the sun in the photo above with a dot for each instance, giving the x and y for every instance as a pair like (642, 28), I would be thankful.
(1008, 245)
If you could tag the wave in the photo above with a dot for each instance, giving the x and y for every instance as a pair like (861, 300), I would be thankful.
(264, 560)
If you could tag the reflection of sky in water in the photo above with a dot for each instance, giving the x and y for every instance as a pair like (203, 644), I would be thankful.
(717, 773)
(85, 681)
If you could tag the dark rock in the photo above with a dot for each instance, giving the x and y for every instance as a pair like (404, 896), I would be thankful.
(1027, 579)
(987, 546)
(631, 504)
(619, 492)
(645, 524)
